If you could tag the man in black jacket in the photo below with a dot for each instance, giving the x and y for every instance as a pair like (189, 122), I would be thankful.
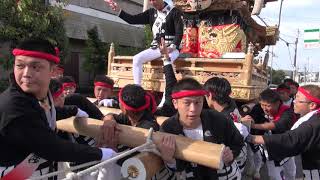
(303, 138)
(219, 90)
(194, 122)
(280, 119)
(27, 125)
(165, 21)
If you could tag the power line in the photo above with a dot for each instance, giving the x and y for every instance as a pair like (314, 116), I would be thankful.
(261, 19)
(290, 57)
(280, 12)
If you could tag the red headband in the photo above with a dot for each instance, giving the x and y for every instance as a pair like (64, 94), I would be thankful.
(308, 95)
(148, 97)
(290, 83)
(58, 93)
(283, 89)
(69, 84)
(36, 54)
(188, 93)
(103, 84)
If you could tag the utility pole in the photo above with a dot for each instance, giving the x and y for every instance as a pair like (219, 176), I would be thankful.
(305, 74)
(271, 64)
(295, 57)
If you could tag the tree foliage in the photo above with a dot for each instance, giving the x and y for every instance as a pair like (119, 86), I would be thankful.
(148, 36)
(95, 54)
(32, 18)
(278, 76)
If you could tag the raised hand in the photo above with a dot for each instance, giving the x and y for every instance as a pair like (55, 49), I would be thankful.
(113, 5)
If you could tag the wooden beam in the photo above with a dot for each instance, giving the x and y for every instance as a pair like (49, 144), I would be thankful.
(142, 166)
(199, 152)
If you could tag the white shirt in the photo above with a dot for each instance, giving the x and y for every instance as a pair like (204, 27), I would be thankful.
(196, 134)
(303, 119)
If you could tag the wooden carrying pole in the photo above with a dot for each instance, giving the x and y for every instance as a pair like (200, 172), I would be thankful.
(142, 166)
(106, 110)
(199, 152)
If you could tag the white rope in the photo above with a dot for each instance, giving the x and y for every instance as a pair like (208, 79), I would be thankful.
(118, 156)
(65, 170)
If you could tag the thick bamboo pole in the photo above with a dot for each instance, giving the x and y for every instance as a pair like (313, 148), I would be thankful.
(142, 166)
(199, 152)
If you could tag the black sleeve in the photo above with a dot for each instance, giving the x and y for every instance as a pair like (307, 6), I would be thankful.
(233, 138)
(85, 105)
(285, 122)
(141, 18)
(121, 118)
(66, 111)
(178, 27)
(147, 124)
(258, 116)
(291, 143)
(31, 133)
(170, 78)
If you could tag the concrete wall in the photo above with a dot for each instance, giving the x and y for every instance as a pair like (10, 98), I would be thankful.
(81, 15)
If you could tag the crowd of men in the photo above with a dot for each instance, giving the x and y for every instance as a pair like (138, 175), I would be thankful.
(283, 124)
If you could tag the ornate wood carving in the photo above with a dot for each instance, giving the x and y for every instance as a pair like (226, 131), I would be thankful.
(246, 81)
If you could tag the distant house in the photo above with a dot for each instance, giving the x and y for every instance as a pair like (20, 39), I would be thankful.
(82, 15)
(288, 73)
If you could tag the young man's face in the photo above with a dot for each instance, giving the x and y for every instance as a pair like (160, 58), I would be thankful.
(189, 109)
(33, 75)
(293, 90)
(301, 104)
(269, 108)
(284, 96)
(157, 4)
(69, 90)
(101, 92)
(59, 101)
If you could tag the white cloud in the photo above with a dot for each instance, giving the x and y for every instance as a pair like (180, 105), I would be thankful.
(299, 3)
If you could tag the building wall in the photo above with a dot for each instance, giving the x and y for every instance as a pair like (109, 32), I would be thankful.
(82, 15)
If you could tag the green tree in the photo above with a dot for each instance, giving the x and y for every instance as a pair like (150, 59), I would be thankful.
(148, 36)
(277, 76)
(95, 54)
(31, 18)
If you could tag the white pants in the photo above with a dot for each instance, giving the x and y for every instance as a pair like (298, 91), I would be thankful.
(147, 56)
(311, 174)
(289, 169)
(257, 159)
(273, 171)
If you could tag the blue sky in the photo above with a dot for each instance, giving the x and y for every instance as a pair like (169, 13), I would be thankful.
(296, 14)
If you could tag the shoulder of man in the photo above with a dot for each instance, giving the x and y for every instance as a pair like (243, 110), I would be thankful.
(13, 100)
(288, 113)
(315, 119)
(16, 105)
(212, 116)
(171, 125)
(150, 123)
